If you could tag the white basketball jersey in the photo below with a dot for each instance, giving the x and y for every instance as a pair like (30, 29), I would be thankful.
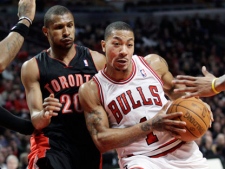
(135, 100)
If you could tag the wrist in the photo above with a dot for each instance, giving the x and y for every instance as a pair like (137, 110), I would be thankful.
(25, 19)
(20, 28)
(214, 86)
(25, 22)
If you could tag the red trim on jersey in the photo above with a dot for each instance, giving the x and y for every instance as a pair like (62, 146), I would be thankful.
(38, 69)
(101, 162)
(39, 144)
(122, 81)
(100, 93)
(150, 69)
(168, 151)
(170, 142)
(165, 152)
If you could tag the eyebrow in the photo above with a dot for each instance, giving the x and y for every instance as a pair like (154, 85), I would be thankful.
(118, 38)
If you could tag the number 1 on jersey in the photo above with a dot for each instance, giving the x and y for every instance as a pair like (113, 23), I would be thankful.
(151, 138)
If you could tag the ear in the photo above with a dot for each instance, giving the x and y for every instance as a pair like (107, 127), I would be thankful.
(45, 31)
(103, 45)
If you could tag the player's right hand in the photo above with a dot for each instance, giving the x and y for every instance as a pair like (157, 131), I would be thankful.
(27, 8)
(51, 105)
(166, 122)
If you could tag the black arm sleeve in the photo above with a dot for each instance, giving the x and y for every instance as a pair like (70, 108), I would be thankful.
(12, 122)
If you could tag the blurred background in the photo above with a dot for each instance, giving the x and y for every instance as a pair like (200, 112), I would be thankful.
(187, 33)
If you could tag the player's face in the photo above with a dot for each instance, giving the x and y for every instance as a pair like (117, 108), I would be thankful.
(61, 32)
(119, 49)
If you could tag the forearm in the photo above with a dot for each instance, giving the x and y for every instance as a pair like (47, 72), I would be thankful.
(12, 122)
(10, 46)
(113, 138)
(39, 121)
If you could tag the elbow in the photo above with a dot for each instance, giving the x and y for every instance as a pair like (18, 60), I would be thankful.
(103, 145)
(39, 124)
(102, 148)
(36, 126)
(2, 67)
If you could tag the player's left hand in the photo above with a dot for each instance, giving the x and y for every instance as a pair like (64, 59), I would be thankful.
(195, 86)
(51, 106)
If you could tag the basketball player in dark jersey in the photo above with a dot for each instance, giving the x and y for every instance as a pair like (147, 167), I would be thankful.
(9, 48)
(61, 139)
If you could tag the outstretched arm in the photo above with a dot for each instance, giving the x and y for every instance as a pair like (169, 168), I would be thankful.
(106, 138)
(12, 122)
(11, 45)
(205, 86)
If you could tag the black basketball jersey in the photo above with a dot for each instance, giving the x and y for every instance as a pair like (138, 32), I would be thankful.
(64, 81)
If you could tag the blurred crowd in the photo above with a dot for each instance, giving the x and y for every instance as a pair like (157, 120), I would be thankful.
(187, 44)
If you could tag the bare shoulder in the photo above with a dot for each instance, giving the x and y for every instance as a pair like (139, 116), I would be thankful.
(157, 63)
(156, 59)
(29, 70)
(29, 62)
(88, 93)
(99, 59)
(88, 87)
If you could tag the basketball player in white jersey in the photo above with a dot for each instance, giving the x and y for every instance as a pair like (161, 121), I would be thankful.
(125, 108)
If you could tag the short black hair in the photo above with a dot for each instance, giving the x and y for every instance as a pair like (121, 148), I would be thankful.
(55, 10)
(118, 25)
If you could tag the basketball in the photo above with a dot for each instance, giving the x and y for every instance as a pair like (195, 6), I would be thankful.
(195, 114)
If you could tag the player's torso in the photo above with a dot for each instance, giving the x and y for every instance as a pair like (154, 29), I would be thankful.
(132, 101)
(64, 81)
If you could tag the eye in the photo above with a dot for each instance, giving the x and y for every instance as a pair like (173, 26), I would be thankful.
(70, 25)
(116, 44)
(59, 27)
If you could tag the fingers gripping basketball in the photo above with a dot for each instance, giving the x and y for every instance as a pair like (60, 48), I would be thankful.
(195, 114)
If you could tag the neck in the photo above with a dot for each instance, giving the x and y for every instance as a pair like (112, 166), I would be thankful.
(118, 75)
(62, 54)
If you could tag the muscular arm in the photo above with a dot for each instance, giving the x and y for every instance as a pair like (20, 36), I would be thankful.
(11, 45)
(30, 80)
(12, 122)
(159, 65)
(106, 138)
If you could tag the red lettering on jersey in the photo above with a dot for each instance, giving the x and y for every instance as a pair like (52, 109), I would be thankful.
(154, 92)
(123, 103)
(48, 88)
(65, 99)
(76, 103)
(115, 111)
(63, 82)
(79, 79)
(134, 105)
(87, 77)
(71, 80)
(145, 102)
(55, 85)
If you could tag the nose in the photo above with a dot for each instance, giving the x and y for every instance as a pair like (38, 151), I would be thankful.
(66, 31)
(124, 50)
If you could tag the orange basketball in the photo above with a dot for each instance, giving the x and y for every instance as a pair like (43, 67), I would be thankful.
(195, 114)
